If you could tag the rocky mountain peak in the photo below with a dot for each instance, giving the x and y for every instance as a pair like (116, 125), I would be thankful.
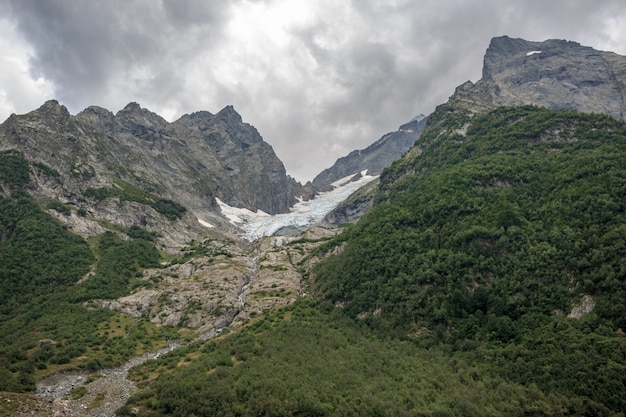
(140, 122)
(200, 115)
(136, 156)
(553, 73)
(229, 115)
(97, 118)
(97, 111)
(51, 109)
(376, 157)
(135, 114)
(503, 49)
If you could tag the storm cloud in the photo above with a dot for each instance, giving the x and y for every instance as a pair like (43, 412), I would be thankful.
(317, 79)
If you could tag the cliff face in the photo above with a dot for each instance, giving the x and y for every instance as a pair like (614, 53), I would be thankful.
(192, 161)
(375, 157)
(555, 74)
(245, 170)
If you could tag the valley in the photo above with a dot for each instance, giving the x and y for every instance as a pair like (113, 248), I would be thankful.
(471, 263)
(207, 296)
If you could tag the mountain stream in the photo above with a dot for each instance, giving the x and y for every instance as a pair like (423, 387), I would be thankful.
(108, 389)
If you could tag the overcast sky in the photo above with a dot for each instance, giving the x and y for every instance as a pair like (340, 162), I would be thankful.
(318, 79)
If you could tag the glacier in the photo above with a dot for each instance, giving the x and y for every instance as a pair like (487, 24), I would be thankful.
(254, 225)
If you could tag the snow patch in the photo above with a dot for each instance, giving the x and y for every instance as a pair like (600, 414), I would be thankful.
(533, 53)
(236, 215)
(205, 224)
(304, 213)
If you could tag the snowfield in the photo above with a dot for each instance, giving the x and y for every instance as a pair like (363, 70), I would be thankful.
(304, 213)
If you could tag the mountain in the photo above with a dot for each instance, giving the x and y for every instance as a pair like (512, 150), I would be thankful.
(138, 157)
(375, 157)
(555, 74)
(492, 259)
(500, 240)
(486, 279)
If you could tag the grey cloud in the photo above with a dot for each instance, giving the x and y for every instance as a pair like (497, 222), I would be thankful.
(81, 46)
(315, 98)
(183, 13)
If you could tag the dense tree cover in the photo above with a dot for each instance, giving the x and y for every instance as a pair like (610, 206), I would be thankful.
(310, 360)
(128, 192)
(119, 261)
(487, 239)
(42, 320)
(14, 169)
(476, 250)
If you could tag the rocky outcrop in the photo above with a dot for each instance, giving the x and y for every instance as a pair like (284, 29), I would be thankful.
(245, 171)
(352, 208)
(375, 157)
(555, 74)
(229, 286)
(582, 308)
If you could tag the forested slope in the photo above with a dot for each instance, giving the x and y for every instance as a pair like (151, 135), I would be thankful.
(44, 324)
(489, 239)
(452, 295)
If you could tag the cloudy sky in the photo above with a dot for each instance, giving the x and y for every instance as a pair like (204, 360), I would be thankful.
(318, 79)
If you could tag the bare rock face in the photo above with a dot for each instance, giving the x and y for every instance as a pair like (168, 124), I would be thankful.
(556, 74)
(355, 206)
(216, 291)
(190, 162)
(584, 307)
(244, 170)
(375, 157)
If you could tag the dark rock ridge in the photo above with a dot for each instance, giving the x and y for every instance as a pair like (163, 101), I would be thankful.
(375, 157)
(192, 161)
(354, 207)
(555, 74)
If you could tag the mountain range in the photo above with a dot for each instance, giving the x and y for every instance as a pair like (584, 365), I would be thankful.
(481, 274)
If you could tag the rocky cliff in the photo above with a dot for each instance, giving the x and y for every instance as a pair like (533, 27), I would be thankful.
(134, 167)
(555, 74)
(375, 157)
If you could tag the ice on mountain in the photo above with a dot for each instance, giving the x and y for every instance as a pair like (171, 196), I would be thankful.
(304, 213)
(205, 224)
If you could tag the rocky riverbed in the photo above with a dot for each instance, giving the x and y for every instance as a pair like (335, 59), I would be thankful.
(244, 286)
(102, 392)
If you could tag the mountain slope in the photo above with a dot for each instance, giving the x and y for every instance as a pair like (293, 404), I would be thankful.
(495, 242)
(496, 236)
(167, 171)
(494, 259)
(375, 157)
(488, 278)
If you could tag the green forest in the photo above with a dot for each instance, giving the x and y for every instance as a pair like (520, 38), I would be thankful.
(488, 279)
(44, 325)
(452, 296)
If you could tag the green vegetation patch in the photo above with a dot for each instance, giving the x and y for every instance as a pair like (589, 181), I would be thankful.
(14, 169)
(44, 325)
(314, 361)
(46, 170)
(128, 192)
(484, 241)
(57, 206)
